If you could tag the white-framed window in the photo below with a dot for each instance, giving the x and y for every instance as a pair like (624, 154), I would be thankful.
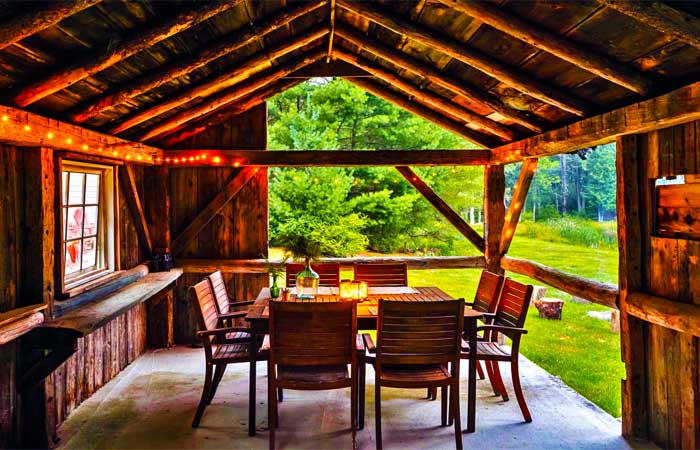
(87, 222)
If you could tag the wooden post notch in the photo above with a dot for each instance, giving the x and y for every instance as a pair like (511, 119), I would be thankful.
(442, 207)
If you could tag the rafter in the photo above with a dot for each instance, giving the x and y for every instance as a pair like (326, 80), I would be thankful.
(232, 94)
(256, 63)
(106, 57)
(248, 102)
(662, 17)
(234, 185)
(331, 36)
(426, 97)
(164, 74)
(421, 111)
(443, 208)
(15, 29)
(325, 158)
(527, 173)
(482, 62)
(433, 75)
(676, 107)
(598, 64)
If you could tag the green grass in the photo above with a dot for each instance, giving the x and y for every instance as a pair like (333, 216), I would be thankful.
(579, 349)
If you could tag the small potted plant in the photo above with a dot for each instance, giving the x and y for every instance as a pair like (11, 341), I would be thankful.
(275, 269)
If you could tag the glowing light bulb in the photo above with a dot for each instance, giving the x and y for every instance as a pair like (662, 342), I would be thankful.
(49, 135)
(27, 128)
(191, 158)
(85, 147)
(216, 160)
(167, 160)
(115, 153)
(69, 141)
(236, 164)
(5, 118)
(139, 157)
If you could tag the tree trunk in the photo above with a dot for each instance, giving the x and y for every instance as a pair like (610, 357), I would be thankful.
(564, 183)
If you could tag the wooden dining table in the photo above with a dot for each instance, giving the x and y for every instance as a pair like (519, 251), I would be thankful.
(258, 317)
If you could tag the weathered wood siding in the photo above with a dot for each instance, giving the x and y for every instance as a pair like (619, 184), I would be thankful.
(239, 230)
(662, 363)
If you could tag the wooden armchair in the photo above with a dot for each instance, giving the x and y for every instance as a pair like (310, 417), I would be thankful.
(329, 273)
(225, 304)
(486, 301)
(382, 274)
(509, 320)
(311, 345)
(221, 347)
(418, 347)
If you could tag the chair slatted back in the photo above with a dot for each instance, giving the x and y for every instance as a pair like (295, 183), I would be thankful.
(313, 333)
(382, 274)
(329, 273)
(513, 304)
(488, 292)
(218, 286)
(419, 332)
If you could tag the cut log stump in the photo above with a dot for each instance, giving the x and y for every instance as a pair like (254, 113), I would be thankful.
(550, 308)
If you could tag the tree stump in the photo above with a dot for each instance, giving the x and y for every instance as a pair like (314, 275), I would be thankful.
(550, 308)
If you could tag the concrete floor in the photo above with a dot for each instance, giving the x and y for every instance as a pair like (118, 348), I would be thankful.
(151, 404)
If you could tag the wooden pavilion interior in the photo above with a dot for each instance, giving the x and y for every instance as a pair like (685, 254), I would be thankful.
(170, 97)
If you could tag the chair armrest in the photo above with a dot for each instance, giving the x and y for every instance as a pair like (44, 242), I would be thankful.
(265, 347)
(234, 304)
(221, 331)
(233, 315)
(369, 343)
(502, 329)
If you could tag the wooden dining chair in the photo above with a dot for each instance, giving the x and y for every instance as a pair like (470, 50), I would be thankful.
(220, 348)
(418, 347)
(509, 320)
(311, 345)
(485, 301)
(382, 274)
(328, 272)
(225, 303)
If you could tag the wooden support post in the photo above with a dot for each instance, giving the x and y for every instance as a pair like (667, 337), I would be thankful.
(106, 57)
(517, 202)
(15, 29)
(180, 67)
(494, 215)
(235, 184)
(131, 195)
(442, 207)
(631, 231)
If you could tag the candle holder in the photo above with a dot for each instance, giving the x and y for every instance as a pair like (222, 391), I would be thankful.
(356, 290)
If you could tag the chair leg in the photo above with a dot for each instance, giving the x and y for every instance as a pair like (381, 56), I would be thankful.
(433, 393)
(429, 394)
(454, 413)
(480, 370)
(361, 395)
(353, 408)
(518, 390)
(271, 406)
(205, 396)
(443, 404)
(218, 375)
(492, 377)
(280, 395)
(499, 380)
(378, 414)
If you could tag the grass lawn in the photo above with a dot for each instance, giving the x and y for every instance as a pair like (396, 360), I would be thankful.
(579, 349)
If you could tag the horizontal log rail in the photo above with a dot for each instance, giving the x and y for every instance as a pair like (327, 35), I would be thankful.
(602, 293)
(190, 265)
(16, 322)
(325, 158)
(683, 317)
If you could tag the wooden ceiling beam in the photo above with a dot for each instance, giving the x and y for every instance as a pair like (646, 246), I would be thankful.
(426, 97)
(443, 208)
(331, 36)
(596, 63)
(240, 71)
(676, 107)
(212, 120)
(508, 75)
(232, 94)
(334, 68)
(662, 17)
(27, 129)
(426, 113)
(15, 29)
(138, 41)
(433, 75)
(178, 68)
(325, 158)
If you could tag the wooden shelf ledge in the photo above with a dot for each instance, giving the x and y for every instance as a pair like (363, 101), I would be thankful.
(88, 318)
(16, 322)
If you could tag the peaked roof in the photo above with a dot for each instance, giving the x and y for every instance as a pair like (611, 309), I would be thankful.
(494, 72)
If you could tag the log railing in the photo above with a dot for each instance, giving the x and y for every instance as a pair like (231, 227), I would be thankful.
(594, 291)
(258, 265)
(16, 322)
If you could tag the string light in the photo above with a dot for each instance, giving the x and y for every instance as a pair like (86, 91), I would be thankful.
(191, 158)
(176, 160)
(236, 164)
(49, 135)
(27, 128)
(85, 147)
(5, 118)
(167, 160)
(115, 153)
(216, 160)
(99, 149)
(69, 141)
(139, 157)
